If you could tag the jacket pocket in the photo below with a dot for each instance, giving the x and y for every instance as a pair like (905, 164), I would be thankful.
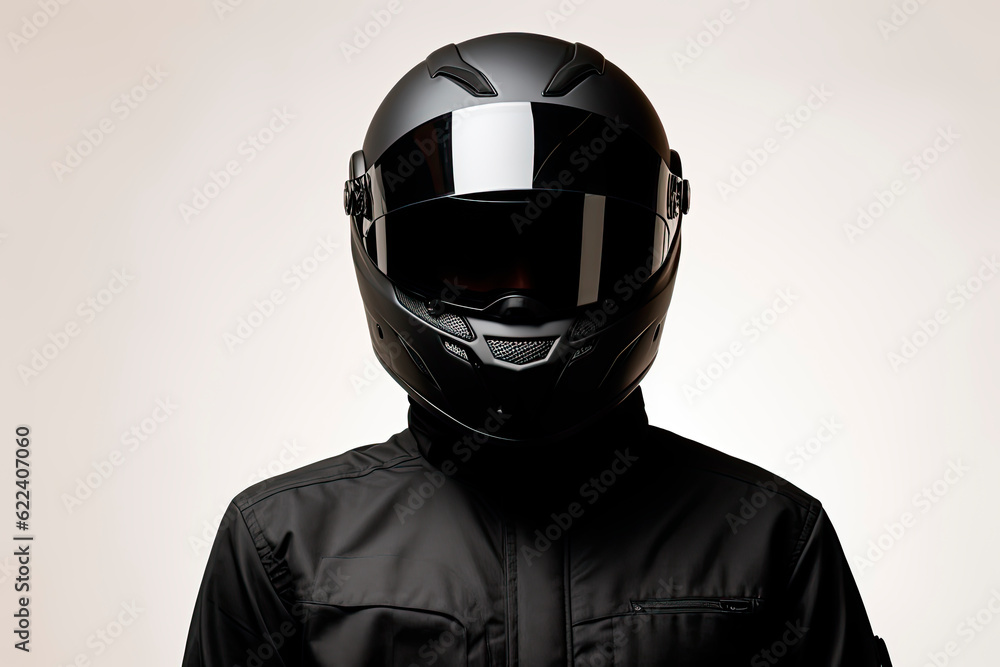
(690, 605)
(688, 632)
(388, 610)
(385, 635)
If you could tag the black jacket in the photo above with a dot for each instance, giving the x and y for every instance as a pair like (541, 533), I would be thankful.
(628, 545)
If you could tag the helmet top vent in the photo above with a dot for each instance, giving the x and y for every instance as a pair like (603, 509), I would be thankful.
(448, 62)
(584, 62)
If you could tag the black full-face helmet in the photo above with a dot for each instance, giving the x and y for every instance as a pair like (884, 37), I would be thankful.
(515, 227)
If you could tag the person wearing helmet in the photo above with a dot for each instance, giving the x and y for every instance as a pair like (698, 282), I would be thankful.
(515, 216)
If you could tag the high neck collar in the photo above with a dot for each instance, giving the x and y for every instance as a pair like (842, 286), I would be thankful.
(485, 461)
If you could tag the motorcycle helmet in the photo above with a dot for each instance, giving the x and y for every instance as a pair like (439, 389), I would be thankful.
(515, 229)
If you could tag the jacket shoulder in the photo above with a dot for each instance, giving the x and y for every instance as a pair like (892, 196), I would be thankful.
(353, 463)
(728, 469)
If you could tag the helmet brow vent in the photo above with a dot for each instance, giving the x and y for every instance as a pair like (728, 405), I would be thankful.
(448, 62)
(447, 322)
(584, 62)
(519, 350)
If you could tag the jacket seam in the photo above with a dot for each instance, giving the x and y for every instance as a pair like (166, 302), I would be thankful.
(798, 501)
(513, 636)
(248, 503)
(690, 453)
(266, 557)
(258, 541)
(567, 602)
(808, 528)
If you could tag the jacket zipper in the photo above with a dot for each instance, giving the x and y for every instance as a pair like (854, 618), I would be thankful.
(510, 595)
(668, 605)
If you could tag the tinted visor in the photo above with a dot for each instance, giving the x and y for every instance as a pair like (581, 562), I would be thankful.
(536, 199)
(474, 249)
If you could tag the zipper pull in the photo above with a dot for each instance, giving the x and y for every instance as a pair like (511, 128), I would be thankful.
(636, 606)
(735, 605)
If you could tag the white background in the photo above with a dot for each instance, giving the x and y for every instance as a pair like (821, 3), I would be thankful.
(305, 385)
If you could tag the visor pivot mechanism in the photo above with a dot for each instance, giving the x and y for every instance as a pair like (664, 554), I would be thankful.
(679, 196)
(357, 196)
(685, 196)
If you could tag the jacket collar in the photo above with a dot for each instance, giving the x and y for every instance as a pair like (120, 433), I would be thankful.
(488, 462)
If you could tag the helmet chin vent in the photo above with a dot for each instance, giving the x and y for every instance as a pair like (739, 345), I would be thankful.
(519, 350)
(456, 349)
(446, 322)
(583, 328)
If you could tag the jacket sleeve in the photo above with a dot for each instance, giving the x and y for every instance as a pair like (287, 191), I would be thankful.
(825, 623)
(238, 616)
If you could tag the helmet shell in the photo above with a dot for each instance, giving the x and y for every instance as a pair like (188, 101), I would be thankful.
(507, 372)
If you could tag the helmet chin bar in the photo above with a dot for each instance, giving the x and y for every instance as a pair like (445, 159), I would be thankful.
(513, 368)
(544, 376)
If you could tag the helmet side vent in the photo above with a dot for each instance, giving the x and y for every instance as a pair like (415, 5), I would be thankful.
(414, 356)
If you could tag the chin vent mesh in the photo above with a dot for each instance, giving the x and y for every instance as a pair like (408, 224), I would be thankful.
(582, 351)
(448, 322)
(520, 350)
(583, 328)
(456, 349)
